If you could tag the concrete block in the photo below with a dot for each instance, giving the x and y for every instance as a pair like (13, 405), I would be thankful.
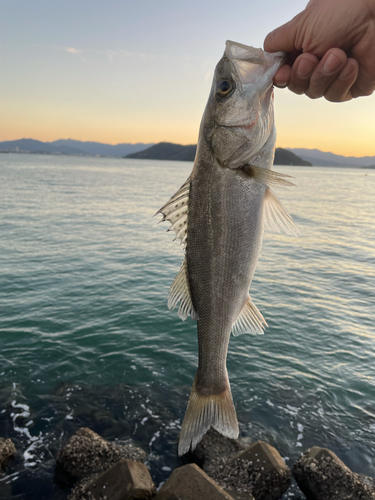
(321, 475)
(258, 470)
(212, 446)
(7, 451)
(189, 482)
(126, 480)
(87, 453)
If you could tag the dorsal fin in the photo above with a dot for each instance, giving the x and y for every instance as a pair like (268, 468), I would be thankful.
(250, 320)
(175, 211)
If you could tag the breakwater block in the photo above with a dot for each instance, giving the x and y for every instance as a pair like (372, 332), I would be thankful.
(126, 480)
(212, 446)
(258, 470)
(189, 482)
(87, 453)
(320, 474)
(7, 451)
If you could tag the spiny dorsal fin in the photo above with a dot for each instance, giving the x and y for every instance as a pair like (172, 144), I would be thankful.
(276, 217)
(250, 320)
(175, 211)
(180, 292)
(269, 177)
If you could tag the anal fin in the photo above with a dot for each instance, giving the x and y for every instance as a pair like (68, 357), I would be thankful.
(250, 320)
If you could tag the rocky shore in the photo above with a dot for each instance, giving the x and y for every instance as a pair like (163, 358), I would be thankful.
(219, 468)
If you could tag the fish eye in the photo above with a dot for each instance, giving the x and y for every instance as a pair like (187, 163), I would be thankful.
(225, 88)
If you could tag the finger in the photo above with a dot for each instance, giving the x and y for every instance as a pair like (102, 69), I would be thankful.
(282, 38)
(340, 89)
(364, 85)
(301, 72)
(358, 92)
(331, 65)
(364, 53)
(282, 76)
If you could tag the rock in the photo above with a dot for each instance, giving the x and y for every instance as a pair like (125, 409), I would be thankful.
(126, 480)
(321, 475)
(213, 445)
(7, 451)
(6, 488)
(258, 470)
(87, 453)
(189, 482)
(236, 495)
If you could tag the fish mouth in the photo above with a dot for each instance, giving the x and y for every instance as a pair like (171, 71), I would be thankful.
(240, 52)
(254, 66)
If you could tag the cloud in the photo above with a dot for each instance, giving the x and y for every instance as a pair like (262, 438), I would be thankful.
(110, 54)
(114, 54)
(72, 50)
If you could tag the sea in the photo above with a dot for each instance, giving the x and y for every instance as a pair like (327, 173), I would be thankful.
(87, 340)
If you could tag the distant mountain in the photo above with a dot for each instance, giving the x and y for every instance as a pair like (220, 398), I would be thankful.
(285, 157)
(326, 159)
(101, 149)
(177, 152)
(167, 151)
(38, 147)
(71, 147)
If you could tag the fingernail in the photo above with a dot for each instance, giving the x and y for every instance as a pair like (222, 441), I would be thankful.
(305, 68)
(280, 85)
(331, 64)
(347, 71)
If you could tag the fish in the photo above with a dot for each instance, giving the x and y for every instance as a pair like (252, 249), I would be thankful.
(219, 214)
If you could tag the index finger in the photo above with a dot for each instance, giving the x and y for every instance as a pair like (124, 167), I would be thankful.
(282, 38)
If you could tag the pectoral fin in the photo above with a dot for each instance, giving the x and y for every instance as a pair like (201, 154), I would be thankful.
(250, 320)
(275, 215)
(269, 177)
(180, 292)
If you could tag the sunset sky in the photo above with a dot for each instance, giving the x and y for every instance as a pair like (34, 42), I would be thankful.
(126, 71)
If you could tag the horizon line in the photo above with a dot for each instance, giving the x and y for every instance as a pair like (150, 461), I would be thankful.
(165, 141)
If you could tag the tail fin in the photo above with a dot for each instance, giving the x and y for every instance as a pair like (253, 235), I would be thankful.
(203, 412)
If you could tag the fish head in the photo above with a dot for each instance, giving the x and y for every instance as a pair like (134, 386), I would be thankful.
(238, 119)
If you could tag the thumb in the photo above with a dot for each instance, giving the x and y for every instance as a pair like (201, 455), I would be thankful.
(282, 38)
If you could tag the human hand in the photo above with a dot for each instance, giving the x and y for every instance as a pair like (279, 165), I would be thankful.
(331, 46)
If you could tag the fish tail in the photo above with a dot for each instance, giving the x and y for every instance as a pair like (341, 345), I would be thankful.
(203, 412)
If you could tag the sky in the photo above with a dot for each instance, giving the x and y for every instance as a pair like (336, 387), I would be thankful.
(140, 71)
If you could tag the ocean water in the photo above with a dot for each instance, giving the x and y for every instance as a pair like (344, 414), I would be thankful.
(86, 338)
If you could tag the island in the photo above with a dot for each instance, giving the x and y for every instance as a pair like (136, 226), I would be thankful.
(178, 152)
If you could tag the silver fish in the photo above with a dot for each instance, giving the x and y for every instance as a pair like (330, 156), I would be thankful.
(219, 214)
